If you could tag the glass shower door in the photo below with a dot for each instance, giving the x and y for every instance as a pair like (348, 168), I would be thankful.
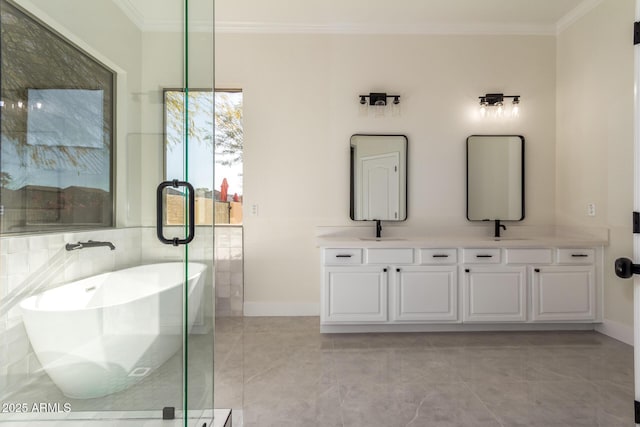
(100, 319)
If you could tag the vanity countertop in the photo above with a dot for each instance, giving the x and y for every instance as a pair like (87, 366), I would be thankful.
(460, 241)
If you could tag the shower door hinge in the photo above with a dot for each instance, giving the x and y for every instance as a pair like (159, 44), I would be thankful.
(636, 33)
(168, 413)
(636, 222)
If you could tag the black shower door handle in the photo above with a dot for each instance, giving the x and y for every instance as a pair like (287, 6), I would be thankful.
(191, 208)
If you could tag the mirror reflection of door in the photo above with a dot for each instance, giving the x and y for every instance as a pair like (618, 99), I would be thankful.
(381, 186)
(378, 177)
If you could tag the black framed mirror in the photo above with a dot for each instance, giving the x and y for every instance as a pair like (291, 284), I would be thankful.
(379, 177)
(495, 178)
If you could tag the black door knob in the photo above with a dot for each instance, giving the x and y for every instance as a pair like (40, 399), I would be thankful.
(625, 268)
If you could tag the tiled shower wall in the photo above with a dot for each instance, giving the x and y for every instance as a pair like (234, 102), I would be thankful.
(31, 264)
(229, 271)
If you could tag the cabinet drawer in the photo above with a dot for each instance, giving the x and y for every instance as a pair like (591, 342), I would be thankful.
(342, 256)
(481, 256)
(576, 256)
(390, 256)
(528, 256)
(438, 256)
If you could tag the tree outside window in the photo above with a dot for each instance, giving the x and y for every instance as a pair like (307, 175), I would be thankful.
(218, 185)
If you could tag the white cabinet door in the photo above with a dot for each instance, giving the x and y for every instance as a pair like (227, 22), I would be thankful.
(494, 294)
(354, 294)
(561, 293)
(425, 293)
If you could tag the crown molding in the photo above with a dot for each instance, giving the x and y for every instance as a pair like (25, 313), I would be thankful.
(575, 14)
(349, 28)
(177, 27)
(237, 27)
(131, 12)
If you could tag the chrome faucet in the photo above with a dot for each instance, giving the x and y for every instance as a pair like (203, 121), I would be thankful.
(88, 244)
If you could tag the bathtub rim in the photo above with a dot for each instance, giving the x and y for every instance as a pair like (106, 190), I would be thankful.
(26, 304)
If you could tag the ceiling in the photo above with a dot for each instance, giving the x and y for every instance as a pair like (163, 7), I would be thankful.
(364, 16)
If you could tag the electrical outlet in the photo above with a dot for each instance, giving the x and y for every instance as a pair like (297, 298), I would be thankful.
(591, 209)
(254, 209)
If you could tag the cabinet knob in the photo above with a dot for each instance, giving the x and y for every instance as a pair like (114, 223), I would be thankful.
(384, 270)
(466, 270)
(537, 270)
(398, 270)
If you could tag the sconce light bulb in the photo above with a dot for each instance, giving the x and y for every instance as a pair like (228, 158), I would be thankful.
(19, 104)
(363, 100)
(396, 100)
(515, 110)
(38, 105)
(483, 110)
(499, 109)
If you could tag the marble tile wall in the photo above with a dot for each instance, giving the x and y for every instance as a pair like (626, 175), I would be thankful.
(32, 264)
(229, 271)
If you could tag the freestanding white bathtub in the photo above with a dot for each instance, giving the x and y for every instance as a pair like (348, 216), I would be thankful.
(100, 335)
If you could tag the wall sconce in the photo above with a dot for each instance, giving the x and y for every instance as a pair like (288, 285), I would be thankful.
(378, 100)
(496, 100)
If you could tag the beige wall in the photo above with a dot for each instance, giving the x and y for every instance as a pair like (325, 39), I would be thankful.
(301, 107)
(595, 136)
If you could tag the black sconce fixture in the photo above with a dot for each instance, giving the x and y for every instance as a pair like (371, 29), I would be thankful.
(379, 99)
(497, 100)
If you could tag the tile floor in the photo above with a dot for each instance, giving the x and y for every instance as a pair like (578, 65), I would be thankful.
(283, 372)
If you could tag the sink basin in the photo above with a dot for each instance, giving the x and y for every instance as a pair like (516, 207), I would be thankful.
(382, 239)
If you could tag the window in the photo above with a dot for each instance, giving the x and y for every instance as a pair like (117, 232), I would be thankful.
(218, 185)
(57, 126)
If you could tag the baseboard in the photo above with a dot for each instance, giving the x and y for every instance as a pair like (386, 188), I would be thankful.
(616, 330)
(254, 309)
(456, 327)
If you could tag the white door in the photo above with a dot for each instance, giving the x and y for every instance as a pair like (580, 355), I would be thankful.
(624, 268)
(381, 186)
(636, 208)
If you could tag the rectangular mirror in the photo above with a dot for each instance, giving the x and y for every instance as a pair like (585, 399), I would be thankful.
(495, 177)
(379, 177)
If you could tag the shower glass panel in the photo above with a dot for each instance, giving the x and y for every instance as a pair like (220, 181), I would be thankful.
(99, 319)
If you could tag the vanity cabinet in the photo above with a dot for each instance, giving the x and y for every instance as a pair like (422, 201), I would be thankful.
(421, 289)
(355, 294)
(565, 292)
(381, 285)
(494, 294)
(422, 293)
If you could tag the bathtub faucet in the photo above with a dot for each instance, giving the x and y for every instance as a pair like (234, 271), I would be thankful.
(88, 244)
